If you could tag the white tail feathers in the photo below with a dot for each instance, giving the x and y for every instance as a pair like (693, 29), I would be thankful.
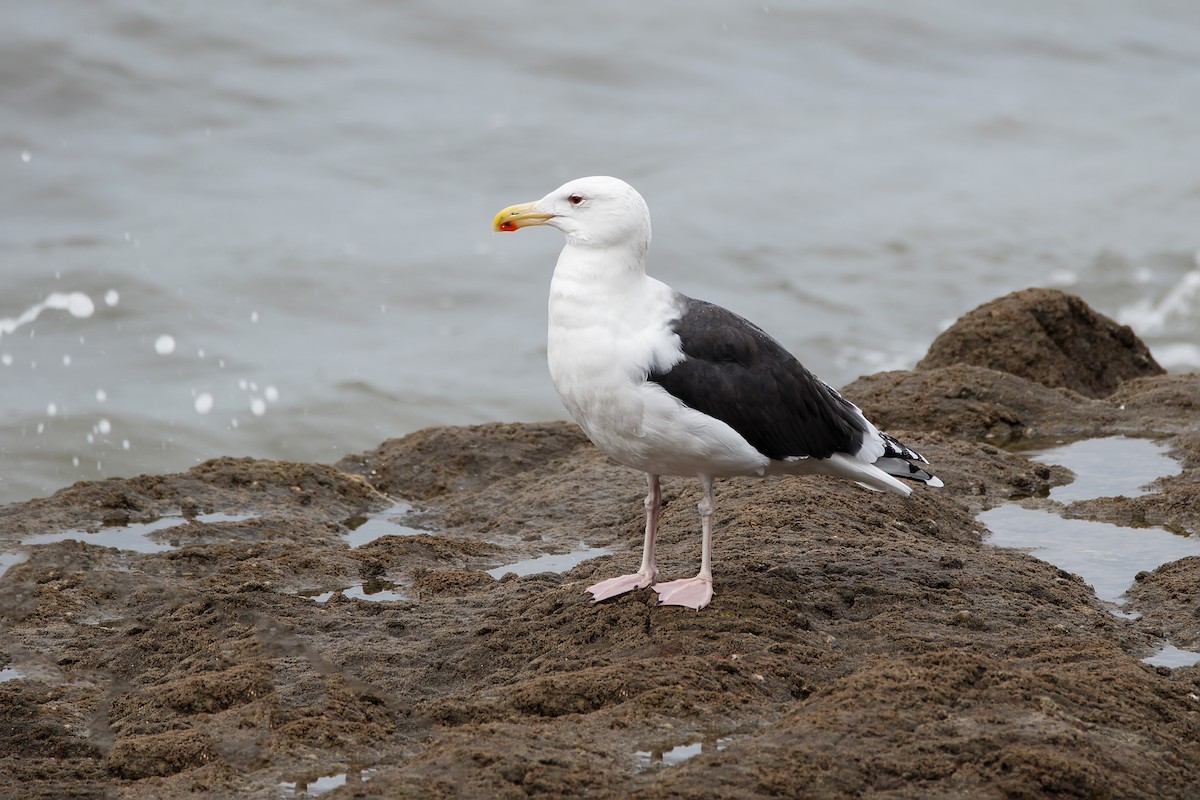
(840, 465)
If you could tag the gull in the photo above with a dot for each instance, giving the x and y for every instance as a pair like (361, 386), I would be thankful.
(670, 385)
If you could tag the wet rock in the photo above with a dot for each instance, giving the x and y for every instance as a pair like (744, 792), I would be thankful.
(437, 461)
(1168, 601)
(215, 691)
(859, 644)
(1047, 336)
(159, 754)
(315, 491)
(978, 403)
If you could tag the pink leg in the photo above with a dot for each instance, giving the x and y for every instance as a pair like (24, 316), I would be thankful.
(695, 592)
(647, 572)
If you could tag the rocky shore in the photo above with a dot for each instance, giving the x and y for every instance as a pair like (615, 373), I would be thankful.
(859, 644)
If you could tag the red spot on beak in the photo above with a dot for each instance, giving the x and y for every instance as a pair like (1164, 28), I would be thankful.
(507, 226)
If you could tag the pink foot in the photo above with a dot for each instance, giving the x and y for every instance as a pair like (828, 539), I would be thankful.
(687, 592)
(620, 585)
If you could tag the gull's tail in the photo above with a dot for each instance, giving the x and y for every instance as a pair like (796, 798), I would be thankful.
(897, 461)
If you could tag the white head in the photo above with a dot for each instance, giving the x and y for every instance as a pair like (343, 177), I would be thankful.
(592, 212)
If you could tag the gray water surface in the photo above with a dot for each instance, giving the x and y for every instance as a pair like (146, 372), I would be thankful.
(263, 229)
(1105, 555)
(134, 537)
(550, 562)
(1114, 466)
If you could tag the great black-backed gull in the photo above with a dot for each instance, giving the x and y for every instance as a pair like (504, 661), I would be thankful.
(669, 385)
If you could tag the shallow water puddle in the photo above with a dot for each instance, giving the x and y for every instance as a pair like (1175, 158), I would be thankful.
(1173, 657)
(1109, 467)
(551, 562)
(1106, 555)
(323, 784)
(11, 559)
(134, 537)
(10, 674)
(654, 759)
(366, 528)
(373, 591)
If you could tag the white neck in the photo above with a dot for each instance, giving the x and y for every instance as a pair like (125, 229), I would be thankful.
(600, 267)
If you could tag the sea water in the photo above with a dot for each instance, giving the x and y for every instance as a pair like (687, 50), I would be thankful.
(263, 229)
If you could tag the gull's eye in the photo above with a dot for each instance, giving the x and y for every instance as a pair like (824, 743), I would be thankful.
(575, 199)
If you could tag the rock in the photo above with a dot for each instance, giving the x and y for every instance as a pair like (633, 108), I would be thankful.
(859, 644)
(1047, 336)
(158, 754)
(1168, 601)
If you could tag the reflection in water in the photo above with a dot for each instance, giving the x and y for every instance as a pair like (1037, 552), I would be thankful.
(10, 674)
(134, 537)
(666, 757)
(323, 784)
(551, 562)
(375, 590)
(366, 528)
(1173, 657)
(1107, 556)
(1109, 467)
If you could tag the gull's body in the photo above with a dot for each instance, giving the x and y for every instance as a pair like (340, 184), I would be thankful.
(669, 385)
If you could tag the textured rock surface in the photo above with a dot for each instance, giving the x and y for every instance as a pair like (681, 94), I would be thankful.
(1048, 336)
(859, 644)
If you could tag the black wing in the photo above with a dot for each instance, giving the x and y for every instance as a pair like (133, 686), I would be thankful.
(734, 371)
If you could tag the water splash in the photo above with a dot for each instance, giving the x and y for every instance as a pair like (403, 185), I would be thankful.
(77, 304)
(1180, 302)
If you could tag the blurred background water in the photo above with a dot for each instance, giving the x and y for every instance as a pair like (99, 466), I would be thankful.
(263, 228)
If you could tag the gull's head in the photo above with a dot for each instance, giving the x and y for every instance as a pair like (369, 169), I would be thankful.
(592, 212)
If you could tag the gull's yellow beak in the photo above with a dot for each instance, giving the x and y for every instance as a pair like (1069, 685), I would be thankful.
(518, 216)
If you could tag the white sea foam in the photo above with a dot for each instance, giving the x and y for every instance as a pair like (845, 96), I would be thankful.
(1178, 355)
(1148, 316)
